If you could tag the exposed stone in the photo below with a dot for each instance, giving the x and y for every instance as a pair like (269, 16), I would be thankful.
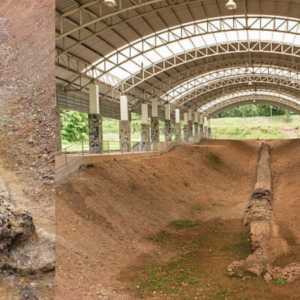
(125, 136)
(178, 132)
(201, 131)
(209, 132)
(154, 129)
(168, 131)
(145, 132)
(196, 130)
(190, 130)
(95, 133)
(185, 133)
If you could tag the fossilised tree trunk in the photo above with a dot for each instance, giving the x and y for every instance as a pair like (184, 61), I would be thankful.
(267, 244)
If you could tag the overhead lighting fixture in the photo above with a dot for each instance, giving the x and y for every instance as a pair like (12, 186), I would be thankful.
(250, 83)
(231, 5)
(110, 3)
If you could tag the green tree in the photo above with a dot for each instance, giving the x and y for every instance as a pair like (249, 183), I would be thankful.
(74, 125)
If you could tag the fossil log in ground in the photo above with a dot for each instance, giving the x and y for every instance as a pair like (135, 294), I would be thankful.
(267, 244)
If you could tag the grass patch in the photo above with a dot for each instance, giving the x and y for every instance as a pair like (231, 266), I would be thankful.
(214, 159)
(241, 247)
(184, 223)
(199, 207)
(161, 237)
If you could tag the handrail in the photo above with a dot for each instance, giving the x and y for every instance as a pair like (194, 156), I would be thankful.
(116, 147)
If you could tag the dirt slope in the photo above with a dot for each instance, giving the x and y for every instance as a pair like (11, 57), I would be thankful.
(286, 189)
(27, 119)
(106, 213)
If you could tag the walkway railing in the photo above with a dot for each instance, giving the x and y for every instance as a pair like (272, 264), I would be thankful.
(82, 148)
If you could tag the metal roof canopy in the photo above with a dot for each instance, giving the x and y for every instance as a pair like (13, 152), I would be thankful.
(90, 33)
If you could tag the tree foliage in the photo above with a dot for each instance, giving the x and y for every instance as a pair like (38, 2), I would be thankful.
(259, 110)
(74, 125)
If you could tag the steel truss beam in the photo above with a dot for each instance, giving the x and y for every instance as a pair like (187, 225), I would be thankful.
(235, 80)
(101, 69)
(88, 19)
(190, 85)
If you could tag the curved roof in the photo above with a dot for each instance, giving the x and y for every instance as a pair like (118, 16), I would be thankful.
(177, 51)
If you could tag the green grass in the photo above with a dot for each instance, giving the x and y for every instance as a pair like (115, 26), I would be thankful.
(277, 127)
(184, 223)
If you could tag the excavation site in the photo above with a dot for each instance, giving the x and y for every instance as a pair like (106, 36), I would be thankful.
(218, 219)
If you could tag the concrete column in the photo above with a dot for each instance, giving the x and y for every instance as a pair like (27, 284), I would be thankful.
(190, 123)
(185, 127)
(201, 121)
(125, 126)
(196, 122)
(205, 128)
(95, 121)
(209, 128)
(177, 125)
(57, 130)
(145, 130)
(168, 124)
(154, 122)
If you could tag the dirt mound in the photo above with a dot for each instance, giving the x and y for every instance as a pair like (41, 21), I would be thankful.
(27, 132)
(108, 214)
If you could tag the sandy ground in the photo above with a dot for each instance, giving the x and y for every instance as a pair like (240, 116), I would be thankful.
(27, 110)
(106, 213)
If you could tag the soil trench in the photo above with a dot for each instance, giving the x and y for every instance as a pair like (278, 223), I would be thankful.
(167, 227)
(267, 242)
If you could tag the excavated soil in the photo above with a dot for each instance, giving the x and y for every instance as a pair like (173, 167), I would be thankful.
(167, 227)
(27, 137)
(106, 214)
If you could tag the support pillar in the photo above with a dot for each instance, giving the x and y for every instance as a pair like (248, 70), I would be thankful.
(201, 125)
(168, 124)
(196, 122)
(95, 121)
(190, 124)
(205, 128)
(95, 133)
(125, 126)
(154, 122)
(209, 129)
(177, 125)
(185, 127)
(145, 130)
(58, 147)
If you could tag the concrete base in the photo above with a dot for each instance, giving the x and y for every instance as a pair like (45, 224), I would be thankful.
(178, 132)
(168, 131)
(154, 129)
(95, 133)
(125, 136)
(57, 130)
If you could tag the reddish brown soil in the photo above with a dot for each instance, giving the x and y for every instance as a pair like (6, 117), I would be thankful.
(286, 189)
(27, 111)
(107, 213)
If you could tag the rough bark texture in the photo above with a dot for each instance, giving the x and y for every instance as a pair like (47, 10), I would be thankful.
(267, 244)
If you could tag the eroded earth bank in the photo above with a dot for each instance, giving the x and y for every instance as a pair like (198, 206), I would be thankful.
(27, 149)
(168, 227)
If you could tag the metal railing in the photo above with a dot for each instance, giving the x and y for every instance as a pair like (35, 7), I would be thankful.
(81, 148)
